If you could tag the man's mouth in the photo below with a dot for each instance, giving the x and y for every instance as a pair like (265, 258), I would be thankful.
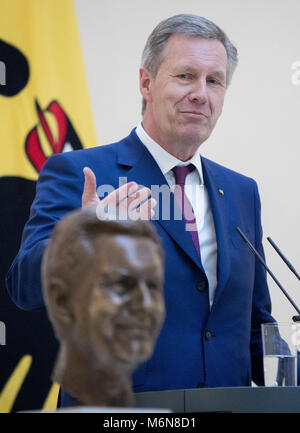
(138, 329)
(193, 113)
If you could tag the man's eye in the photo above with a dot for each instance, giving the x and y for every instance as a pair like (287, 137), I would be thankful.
(213, 81)
(119, 289)
(124, 285)
(183, 76)
(125, 282)
(153, 285)
(118, 286)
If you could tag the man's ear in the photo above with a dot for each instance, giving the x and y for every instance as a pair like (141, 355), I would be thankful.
(59, 301)
(146, 79)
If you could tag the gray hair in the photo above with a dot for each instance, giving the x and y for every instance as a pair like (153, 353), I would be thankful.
(189, 25)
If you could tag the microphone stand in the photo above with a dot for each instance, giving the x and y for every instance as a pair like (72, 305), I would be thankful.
(290, 266)
(262, 261)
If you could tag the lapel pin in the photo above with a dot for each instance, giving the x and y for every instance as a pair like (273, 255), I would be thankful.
(221, 191)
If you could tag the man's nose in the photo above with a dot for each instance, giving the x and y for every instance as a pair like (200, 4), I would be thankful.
(198, 92)
(143, 296)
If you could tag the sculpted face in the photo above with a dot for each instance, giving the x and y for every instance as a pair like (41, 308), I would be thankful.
(119, 307)
(185, 99)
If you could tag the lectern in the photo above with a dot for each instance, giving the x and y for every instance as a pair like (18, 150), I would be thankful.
(235, 400)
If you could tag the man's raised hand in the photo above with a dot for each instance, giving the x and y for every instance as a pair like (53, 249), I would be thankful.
(126, 202)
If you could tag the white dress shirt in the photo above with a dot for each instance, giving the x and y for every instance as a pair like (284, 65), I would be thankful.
(198, 197)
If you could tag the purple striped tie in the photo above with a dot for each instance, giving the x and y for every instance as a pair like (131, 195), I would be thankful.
(181, 172)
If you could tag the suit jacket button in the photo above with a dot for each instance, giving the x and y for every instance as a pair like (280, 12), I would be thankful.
(208, 335)
(202, 285)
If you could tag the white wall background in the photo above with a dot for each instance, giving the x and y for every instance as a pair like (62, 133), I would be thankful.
(259, 131)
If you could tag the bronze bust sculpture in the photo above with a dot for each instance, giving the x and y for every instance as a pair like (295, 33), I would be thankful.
(103, 289)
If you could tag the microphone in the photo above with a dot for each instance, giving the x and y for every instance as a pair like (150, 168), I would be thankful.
(262, 261)
(290, 266)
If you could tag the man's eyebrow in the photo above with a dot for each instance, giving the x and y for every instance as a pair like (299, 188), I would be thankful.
(220, 74)
(187, 68)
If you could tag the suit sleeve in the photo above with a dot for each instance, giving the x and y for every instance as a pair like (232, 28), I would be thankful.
(261, 307)
(59, 189)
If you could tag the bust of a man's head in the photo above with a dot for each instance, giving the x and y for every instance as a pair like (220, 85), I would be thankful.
(103, 289)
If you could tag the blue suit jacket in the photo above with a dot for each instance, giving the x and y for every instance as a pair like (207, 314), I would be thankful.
(196, 347)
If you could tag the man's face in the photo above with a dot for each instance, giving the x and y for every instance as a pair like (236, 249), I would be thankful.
(185, 99)
(120, 313)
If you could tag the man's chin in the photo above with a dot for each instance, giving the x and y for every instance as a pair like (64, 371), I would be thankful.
(192, 134)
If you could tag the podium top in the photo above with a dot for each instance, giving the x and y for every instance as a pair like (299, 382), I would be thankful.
(231, 399)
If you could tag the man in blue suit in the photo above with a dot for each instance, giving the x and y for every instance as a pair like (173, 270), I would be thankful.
(216, 293)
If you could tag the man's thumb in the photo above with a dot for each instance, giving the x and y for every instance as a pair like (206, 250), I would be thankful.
(90, 185)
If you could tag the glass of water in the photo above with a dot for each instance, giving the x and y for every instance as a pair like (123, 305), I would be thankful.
(280, 344)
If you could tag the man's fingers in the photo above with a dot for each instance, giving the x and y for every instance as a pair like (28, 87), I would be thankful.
(115, 197)
(146, 210)
(89, 195)
(127, 202)
(137, 198)
(128, 199)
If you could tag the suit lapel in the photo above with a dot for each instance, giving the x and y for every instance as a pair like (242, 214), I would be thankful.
(215, 185)
(145, 171)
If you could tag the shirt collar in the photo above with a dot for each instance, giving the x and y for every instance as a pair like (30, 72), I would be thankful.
(164, 159)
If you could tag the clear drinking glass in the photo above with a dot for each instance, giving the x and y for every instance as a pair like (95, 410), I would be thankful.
(280, 344)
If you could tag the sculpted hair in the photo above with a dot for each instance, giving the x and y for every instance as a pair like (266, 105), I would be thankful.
(189, 25)
(78, 230)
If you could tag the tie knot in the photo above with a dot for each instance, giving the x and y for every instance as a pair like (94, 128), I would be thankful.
(181, 172)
